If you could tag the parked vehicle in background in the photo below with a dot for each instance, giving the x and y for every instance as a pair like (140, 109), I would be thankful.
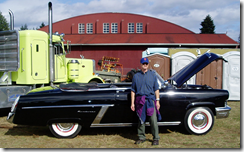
(72, 106)
(110, 69)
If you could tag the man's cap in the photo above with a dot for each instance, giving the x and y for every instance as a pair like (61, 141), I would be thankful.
(144, 60)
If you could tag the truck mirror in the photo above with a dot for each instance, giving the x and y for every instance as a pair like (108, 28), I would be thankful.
(55, 49)
(58, 49)
(68, 46)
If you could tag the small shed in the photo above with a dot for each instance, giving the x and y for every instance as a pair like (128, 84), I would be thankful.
(231, 74)
(211, 75)
(160, 63)
(180, 60)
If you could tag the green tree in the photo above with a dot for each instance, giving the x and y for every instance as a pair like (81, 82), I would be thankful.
(207, 25)
(42, 25)
(3, 23)
(25, 27)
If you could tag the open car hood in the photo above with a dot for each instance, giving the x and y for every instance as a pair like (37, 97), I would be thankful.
(192, 68)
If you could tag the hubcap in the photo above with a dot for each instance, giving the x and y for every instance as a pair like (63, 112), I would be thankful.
(65, 126)
(199, 121)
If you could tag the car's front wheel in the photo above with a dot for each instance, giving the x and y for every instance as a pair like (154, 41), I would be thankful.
(199, 120)
(65, 130)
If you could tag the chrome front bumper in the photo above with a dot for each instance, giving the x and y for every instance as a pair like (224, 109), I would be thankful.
(222, 112)
(10, 117)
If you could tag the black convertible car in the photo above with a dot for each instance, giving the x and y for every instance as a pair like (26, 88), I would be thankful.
(69, 107)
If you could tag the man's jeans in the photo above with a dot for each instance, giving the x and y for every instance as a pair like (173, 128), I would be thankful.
(154, 127)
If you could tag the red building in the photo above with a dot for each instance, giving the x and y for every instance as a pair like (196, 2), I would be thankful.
(126, 36)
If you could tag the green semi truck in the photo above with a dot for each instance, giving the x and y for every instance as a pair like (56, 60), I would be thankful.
(32, 59)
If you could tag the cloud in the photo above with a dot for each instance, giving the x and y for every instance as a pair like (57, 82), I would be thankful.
(26, 12)
(188, 14)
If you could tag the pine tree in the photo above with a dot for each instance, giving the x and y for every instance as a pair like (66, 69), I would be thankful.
(42, 25)
(25, 27)
(3, 23)
(207, 25)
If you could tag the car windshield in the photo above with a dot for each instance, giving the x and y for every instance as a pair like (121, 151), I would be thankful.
(159, 79)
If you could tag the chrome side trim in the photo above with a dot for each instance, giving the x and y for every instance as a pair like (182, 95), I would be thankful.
(10, 117)
(108, 89)
(173, 123)
(97, 89)
(222, 112)
(72, 90)
(70, 106)
(112, 125)
(100, 115)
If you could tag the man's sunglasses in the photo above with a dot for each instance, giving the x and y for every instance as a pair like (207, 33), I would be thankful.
(145, 63)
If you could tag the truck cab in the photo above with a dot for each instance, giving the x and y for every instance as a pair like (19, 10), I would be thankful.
(25, 63)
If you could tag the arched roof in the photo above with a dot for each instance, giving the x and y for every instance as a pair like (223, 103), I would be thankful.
(154, 31)
(153, 25)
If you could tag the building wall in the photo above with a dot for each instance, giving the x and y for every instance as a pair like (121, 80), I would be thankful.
(129, 55)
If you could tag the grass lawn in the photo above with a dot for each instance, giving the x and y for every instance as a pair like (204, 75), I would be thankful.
(225, 134)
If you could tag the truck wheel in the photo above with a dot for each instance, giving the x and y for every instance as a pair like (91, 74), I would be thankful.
(199, 120)
(130, 75)
(65, 130)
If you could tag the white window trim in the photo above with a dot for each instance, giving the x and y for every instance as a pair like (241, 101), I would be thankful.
(89, 27)
(106, 25)
(81, 28)
(112, 28)
(137, 28)
(129, 28)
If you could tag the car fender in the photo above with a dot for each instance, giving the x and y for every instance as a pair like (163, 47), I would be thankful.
(64, 120)
(211, 105)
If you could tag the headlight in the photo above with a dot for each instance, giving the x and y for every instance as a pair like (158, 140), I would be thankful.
(14, 105)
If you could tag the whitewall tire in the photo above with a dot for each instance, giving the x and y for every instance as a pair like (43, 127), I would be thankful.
(199, 120)
(65, 130)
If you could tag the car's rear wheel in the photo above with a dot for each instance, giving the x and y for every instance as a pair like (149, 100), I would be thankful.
(65, 130)
(199, 120)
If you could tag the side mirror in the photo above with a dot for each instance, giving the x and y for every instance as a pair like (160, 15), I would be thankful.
(68, 46)
(166, 83)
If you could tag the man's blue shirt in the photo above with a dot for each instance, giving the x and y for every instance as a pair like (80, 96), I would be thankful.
(145, 84)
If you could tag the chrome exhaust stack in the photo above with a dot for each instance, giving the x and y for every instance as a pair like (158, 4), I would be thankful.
(11, 19)
(51, 48)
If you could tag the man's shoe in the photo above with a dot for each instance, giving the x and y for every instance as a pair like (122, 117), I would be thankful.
(140, 141)
(155, 142)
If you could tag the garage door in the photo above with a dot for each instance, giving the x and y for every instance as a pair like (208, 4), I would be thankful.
(231, 74)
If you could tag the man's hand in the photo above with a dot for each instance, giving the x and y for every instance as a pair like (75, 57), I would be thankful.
(132, 101)
(158, 105)
(157, 97)
(132, 107)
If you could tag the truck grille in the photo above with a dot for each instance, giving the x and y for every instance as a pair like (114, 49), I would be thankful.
(9, 50)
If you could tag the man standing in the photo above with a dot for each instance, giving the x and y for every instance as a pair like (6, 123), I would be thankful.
(145, 101)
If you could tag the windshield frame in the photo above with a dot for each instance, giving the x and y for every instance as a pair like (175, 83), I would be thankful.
(161, 82)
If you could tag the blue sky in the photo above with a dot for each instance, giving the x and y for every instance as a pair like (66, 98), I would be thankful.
(188, 14)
